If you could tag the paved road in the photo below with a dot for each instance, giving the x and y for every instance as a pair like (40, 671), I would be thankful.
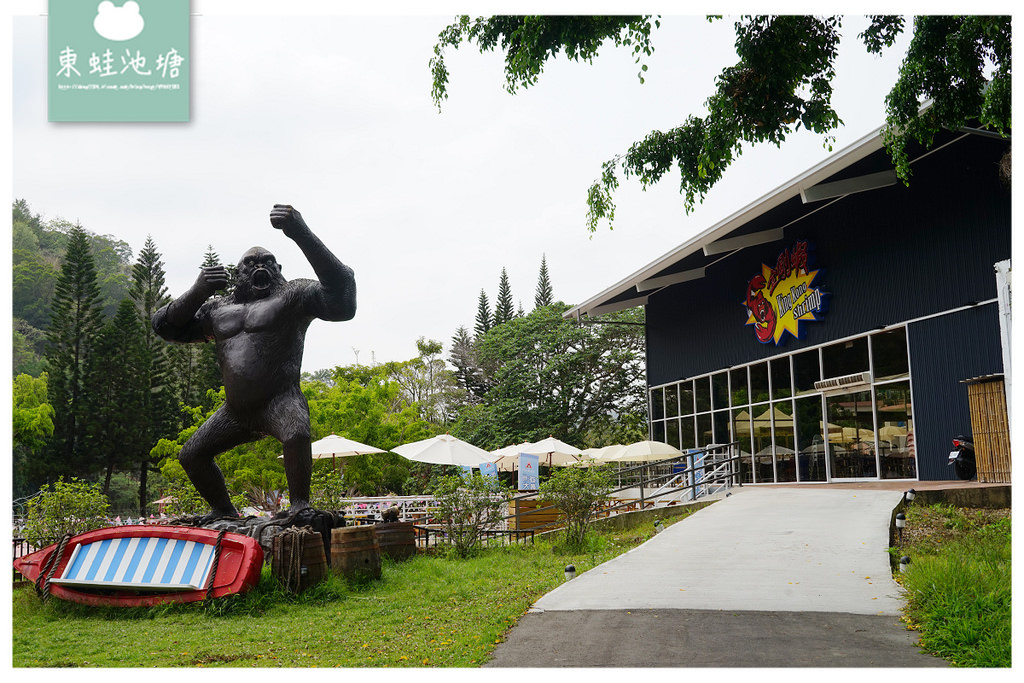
(765, 577)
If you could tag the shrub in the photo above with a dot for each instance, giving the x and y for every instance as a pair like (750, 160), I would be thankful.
(578, 492)
(468, 505)
(67, 508)
(326, 489)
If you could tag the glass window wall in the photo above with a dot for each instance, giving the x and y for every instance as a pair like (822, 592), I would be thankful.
(889, 354)
(738, 386)
(658, 404)
(845, 358)
(782, 383)
(785, 430)
(895, 431)
(759, 382)
(702, 393)
(810, 438)
(720, 390)
(785, 441)
(742, 434)
(687, 435)
(806, 371)
(672, 400)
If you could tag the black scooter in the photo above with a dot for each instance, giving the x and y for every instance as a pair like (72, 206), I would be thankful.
(962, 458)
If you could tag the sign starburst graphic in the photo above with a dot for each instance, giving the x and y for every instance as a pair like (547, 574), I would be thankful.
(780, 298)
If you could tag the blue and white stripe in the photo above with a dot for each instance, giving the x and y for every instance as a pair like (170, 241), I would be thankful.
(140, 563)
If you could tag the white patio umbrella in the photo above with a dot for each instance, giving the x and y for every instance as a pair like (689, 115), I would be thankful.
(779, 450)
(508, 457)
(334, 446)
(340, 447)
(554, 451)
(604, 453)
(644, 451)
(444, 449)
(511, 451)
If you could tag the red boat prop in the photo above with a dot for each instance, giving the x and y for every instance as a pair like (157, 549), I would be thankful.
(137, 566)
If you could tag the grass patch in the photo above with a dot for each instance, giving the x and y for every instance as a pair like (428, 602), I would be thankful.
(433, 610)
(958, 583)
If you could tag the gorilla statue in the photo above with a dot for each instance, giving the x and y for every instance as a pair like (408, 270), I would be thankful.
(259, 330)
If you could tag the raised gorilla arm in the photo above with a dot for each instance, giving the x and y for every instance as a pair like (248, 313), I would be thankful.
(177, 320)
(335, 300)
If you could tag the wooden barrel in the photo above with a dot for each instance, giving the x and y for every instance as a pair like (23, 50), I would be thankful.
(397, 540)
(355, 552)
(298, 559)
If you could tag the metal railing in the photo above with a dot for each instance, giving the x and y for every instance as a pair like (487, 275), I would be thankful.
(701, 472)
(20, 547)
(433, 536)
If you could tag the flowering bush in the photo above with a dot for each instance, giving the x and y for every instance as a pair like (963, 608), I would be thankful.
(68, 507)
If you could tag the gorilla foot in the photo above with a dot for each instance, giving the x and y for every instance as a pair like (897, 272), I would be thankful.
(214, 515)
(294, 510)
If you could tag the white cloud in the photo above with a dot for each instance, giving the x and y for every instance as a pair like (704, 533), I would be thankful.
(118, 23)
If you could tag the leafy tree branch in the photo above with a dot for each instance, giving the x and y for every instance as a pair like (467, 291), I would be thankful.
(782, 81)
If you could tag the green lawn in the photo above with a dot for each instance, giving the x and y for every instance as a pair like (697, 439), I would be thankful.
(431, 610)
(439, 611)
(959, 583)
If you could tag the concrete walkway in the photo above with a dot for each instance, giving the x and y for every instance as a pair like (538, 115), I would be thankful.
(764, 577)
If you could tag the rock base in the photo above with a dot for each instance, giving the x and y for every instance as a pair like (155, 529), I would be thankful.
(263, 529)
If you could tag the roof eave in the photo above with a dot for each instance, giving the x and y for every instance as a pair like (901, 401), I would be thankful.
(866, 145)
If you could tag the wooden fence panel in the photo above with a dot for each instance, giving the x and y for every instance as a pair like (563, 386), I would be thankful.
(991, 430)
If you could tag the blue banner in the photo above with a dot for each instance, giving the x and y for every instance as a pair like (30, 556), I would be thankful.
(529, 467)
(489, 469)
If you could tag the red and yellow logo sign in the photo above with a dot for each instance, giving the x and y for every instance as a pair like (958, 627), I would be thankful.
(779, 298)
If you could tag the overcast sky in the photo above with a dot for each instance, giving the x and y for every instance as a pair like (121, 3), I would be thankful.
(333, 115)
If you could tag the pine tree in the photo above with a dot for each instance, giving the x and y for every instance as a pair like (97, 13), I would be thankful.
(484, 321)
(117, 430)
(75, 323)
(503, 310)
(149, 294)
(468, 373)
(543, 296)
(210, 258)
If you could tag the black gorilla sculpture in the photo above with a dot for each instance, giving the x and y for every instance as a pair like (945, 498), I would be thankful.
(259, 330)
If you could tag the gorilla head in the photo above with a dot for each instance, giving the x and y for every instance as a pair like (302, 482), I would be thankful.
(259, 274)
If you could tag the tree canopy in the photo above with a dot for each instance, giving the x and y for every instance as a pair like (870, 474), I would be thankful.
(546, 375)
(781, 82)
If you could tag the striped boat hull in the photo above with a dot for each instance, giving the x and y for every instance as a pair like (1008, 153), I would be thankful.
(145, 565)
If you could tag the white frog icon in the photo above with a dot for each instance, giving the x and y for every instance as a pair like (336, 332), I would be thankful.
(118, 23)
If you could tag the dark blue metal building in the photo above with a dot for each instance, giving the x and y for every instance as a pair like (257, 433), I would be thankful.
(829, 328)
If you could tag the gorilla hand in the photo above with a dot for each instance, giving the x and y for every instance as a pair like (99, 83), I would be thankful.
(288, 220)
(211, 279)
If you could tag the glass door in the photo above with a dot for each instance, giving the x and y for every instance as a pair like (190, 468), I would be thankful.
(851, 436)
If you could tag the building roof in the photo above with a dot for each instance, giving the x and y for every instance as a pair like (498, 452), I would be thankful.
(864, 165)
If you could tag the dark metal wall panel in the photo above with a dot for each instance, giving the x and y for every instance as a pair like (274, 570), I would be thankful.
(887, 256)
(944, 351)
